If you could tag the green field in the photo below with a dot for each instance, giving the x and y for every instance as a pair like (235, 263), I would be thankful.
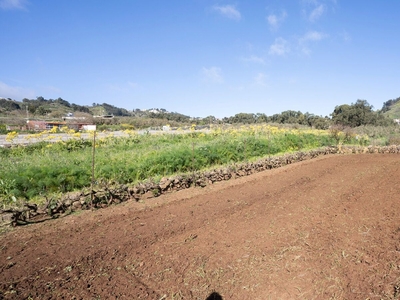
(47, 168)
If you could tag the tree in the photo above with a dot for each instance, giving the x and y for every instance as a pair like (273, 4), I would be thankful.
(9, 105)
(41, 110)
(261, 118)
(80, 108)
(317, 122)
(357, 114)
(288, 117)
(243, 118)
(112, 110)
(62, 102)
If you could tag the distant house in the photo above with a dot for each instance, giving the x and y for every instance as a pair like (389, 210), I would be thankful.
(36, 125)
(47, 125)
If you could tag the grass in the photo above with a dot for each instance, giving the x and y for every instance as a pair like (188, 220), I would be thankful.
(50, 167)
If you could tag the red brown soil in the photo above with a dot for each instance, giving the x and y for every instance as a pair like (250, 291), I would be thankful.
(322, 229)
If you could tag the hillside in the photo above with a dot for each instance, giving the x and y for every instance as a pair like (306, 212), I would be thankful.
(391, 108)
(39, 108)
(58, 108)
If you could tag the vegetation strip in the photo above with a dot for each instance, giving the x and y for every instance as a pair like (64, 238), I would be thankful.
(46, 168)
(105, 195)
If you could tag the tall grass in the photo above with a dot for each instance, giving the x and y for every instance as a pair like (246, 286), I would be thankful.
(380, 135)
(45, 168)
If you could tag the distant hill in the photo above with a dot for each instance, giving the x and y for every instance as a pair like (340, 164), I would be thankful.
(16, 112)
(39, 108)
(391, 108)
(59, 108)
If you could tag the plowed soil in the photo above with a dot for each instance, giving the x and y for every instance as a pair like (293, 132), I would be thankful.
(327, 228)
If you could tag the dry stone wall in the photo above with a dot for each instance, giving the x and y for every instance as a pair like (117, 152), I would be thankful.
(105, 195)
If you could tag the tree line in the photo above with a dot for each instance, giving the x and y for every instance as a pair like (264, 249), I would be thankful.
(42, 106)
(286, 117)
(353, 115)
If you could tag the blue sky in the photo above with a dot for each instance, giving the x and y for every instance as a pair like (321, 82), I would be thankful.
(202, 57)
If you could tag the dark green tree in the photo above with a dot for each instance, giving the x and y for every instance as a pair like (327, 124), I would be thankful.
(388, 104)
(261, 118)
(241, 118)
(41, 110)
(357, 114)
(9, 105)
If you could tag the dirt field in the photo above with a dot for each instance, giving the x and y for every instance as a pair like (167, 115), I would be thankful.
(328, 228)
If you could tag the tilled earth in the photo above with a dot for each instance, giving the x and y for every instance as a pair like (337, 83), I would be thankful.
(327, 228)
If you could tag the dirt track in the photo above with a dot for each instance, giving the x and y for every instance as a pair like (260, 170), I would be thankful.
(322, 229)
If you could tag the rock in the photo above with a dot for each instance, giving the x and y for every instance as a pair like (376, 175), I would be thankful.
(76, 205)
(73, 196)
(7, 218)
(148, 195)
(135, 190)
(201, 183)
(164, 183)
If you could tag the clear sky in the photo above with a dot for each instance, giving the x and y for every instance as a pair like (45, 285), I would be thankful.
(202, 57)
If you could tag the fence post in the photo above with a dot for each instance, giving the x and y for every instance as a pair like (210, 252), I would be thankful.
(93, 162)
